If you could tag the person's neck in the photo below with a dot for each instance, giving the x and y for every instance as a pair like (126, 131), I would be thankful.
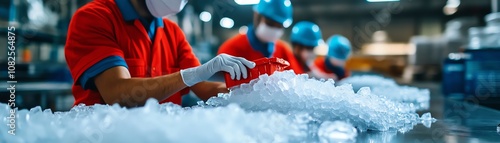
(141, 8)
(302, 62)
(252, 31)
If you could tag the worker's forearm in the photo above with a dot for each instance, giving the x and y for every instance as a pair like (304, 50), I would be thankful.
(135, 91)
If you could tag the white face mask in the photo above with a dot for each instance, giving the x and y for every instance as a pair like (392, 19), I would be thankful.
(161, 8)
(308, 56)
(267, 33)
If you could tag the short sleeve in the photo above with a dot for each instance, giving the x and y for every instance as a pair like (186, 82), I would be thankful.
(87, 78)
(90, 39)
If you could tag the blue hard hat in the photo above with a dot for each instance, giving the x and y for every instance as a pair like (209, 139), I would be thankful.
(339, 47)
(277, 10)
(306, 33)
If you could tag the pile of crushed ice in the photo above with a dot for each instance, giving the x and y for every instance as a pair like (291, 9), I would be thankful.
(283, 107)
(367, 81)
(385, 87)
(288, 93)
(165, 123)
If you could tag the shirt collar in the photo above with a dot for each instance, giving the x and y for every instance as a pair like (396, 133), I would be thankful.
(129, 13)
(127, 10)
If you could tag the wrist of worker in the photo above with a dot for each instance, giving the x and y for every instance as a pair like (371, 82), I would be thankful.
(192, 76)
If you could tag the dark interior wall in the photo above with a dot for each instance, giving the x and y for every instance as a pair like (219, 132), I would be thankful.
(360, 30)
(333, 26)
(398, 29)
(352, 18)
(401, 30)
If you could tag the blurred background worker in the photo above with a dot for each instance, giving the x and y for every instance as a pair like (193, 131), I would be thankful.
(133, 54)
(304, 38)
(333, 65)
(261, 40)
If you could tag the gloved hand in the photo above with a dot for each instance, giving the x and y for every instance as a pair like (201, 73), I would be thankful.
(235, 66)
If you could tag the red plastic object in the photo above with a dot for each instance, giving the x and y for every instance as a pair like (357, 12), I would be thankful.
(262, 66)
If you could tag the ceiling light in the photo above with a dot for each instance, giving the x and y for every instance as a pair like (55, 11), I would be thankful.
(382, 0)
(246, 2)
(226, 22)
(205, 16)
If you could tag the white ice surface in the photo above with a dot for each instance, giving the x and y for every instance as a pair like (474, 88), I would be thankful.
(288, 93)
(385, 87)
(280, 108)
(153, 123)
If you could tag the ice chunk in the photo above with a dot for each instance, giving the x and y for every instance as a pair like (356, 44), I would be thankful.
(427, 124)
(151, 105)
(405, 94)
(364, 91)
(388, 88)
(427, 117)
(35, 110)
(427, 120)
(336, 131)
(288, 93)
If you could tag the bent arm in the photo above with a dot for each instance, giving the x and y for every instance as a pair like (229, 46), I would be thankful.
(116, 86)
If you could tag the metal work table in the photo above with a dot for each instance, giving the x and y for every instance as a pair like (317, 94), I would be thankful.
(457, 122)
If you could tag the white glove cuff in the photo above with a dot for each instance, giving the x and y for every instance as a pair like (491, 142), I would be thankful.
(189, 76)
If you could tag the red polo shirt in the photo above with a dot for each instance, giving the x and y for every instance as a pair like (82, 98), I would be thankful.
(320, 66)
(98, 30)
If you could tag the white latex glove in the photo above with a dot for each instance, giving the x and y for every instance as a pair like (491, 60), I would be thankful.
(235, 66)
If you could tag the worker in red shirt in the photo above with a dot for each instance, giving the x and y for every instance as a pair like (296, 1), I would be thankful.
(304, 38)
(123, 51)
(333, 65)
(261, 40)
